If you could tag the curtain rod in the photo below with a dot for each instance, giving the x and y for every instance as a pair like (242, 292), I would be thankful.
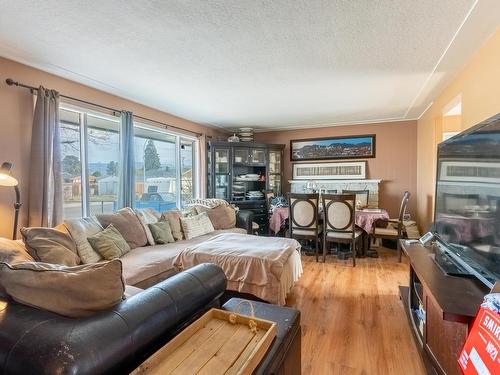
(11, 82)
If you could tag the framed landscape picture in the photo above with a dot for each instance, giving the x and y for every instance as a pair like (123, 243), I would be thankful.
(350, 147)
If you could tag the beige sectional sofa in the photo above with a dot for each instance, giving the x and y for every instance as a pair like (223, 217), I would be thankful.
(146, 263)
(264, 267)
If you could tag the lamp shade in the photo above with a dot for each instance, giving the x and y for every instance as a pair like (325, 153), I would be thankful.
(5, 178)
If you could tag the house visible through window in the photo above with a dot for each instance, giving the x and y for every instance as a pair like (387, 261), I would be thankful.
(90, 152)
(165, 164)
(165, 168)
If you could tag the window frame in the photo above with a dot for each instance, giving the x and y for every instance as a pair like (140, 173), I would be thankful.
(178, 170)
(83, 113)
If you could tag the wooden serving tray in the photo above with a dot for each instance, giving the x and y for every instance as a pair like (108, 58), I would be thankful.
(213, 345)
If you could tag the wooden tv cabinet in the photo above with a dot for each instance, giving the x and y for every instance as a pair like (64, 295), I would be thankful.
(449, 305)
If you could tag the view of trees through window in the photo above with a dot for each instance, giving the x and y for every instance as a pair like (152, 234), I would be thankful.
(164, 165)
(156, 172)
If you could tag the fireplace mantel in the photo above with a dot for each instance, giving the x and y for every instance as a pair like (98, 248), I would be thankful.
(298, 186)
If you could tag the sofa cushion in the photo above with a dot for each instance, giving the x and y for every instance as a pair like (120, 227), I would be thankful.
(222, 216)
(80, 230)
(146, 263)
(174, 219)
(131, 291)
(109, 243)
(50, 245)
(75, 292)
(196, 226)
(148, 216)
(128, 224)
(13, 252)
(161, 232)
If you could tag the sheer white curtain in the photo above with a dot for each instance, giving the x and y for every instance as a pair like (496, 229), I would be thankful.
(46, 192)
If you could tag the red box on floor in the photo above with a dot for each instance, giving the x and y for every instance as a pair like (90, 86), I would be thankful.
(481, 352)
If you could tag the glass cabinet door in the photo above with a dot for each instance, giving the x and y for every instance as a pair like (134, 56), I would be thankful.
(258, 156)
(221, 172)
(275, 172)
(274, 161)
(275, 183)
(240, 155)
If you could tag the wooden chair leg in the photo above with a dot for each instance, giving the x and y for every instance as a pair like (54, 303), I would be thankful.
(324, 249)
(399, 251)
(353, 251)
(316, 249)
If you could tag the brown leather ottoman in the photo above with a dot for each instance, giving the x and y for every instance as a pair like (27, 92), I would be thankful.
(284, 354)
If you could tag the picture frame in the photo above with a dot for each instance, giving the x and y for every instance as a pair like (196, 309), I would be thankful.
(354, 170)
(344, 147)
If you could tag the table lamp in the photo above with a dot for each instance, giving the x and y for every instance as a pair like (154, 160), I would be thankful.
(7, 180)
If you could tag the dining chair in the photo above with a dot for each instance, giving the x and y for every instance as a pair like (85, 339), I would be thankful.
(392, 229)
(361, 196)
(339, 212)
(303, 220)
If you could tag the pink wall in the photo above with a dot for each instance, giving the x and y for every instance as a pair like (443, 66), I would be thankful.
(16, 116)
(395, 162)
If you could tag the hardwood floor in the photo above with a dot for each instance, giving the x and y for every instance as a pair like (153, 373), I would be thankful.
(352, 319)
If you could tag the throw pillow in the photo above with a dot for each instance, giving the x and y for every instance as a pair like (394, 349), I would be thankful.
(74, 292)
(128, 224)
(195, 226)
(222, 217)
(109, 243)
(161, 232)
(208, 202)
(148, 216)
(80, 230)
(13, 252)
(50, 245)
(174, 220)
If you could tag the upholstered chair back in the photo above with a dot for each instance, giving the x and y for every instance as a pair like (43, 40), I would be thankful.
(339, 211)
(303, 211)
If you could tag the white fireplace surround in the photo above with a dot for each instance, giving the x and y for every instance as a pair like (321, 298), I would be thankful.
(299, 186)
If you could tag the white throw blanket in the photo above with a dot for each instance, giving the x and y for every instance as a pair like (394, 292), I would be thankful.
(252, 264)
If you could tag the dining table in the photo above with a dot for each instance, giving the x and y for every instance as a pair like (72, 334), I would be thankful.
(363, 219)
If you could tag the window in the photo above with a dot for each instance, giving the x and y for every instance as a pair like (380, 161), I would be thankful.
(90, 153)
(165, 164)
(164, 168)
(188, 175)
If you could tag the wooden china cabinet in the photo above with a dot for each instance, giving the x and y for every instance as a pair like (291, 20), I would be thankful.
(238, 171)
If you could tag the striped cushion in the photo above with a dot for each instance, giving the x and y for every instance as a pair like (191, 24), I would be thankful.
(195, 226)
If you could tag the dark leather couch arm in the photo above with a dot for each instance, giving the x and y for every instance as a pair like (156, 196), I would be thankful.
(244, 220)
(34, 341)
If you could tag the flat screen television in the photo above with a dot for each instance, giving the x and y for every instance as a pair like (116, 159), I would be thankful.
(467, 204)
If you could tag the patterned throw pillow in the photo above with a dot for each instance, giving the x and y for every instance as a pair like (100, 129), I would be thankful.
(196, 226)
(148, 216)
(208, 202)
(109, 243)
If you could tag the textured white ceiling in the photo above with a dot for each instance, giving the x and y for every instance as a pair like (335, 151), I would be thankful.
(262, 63)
